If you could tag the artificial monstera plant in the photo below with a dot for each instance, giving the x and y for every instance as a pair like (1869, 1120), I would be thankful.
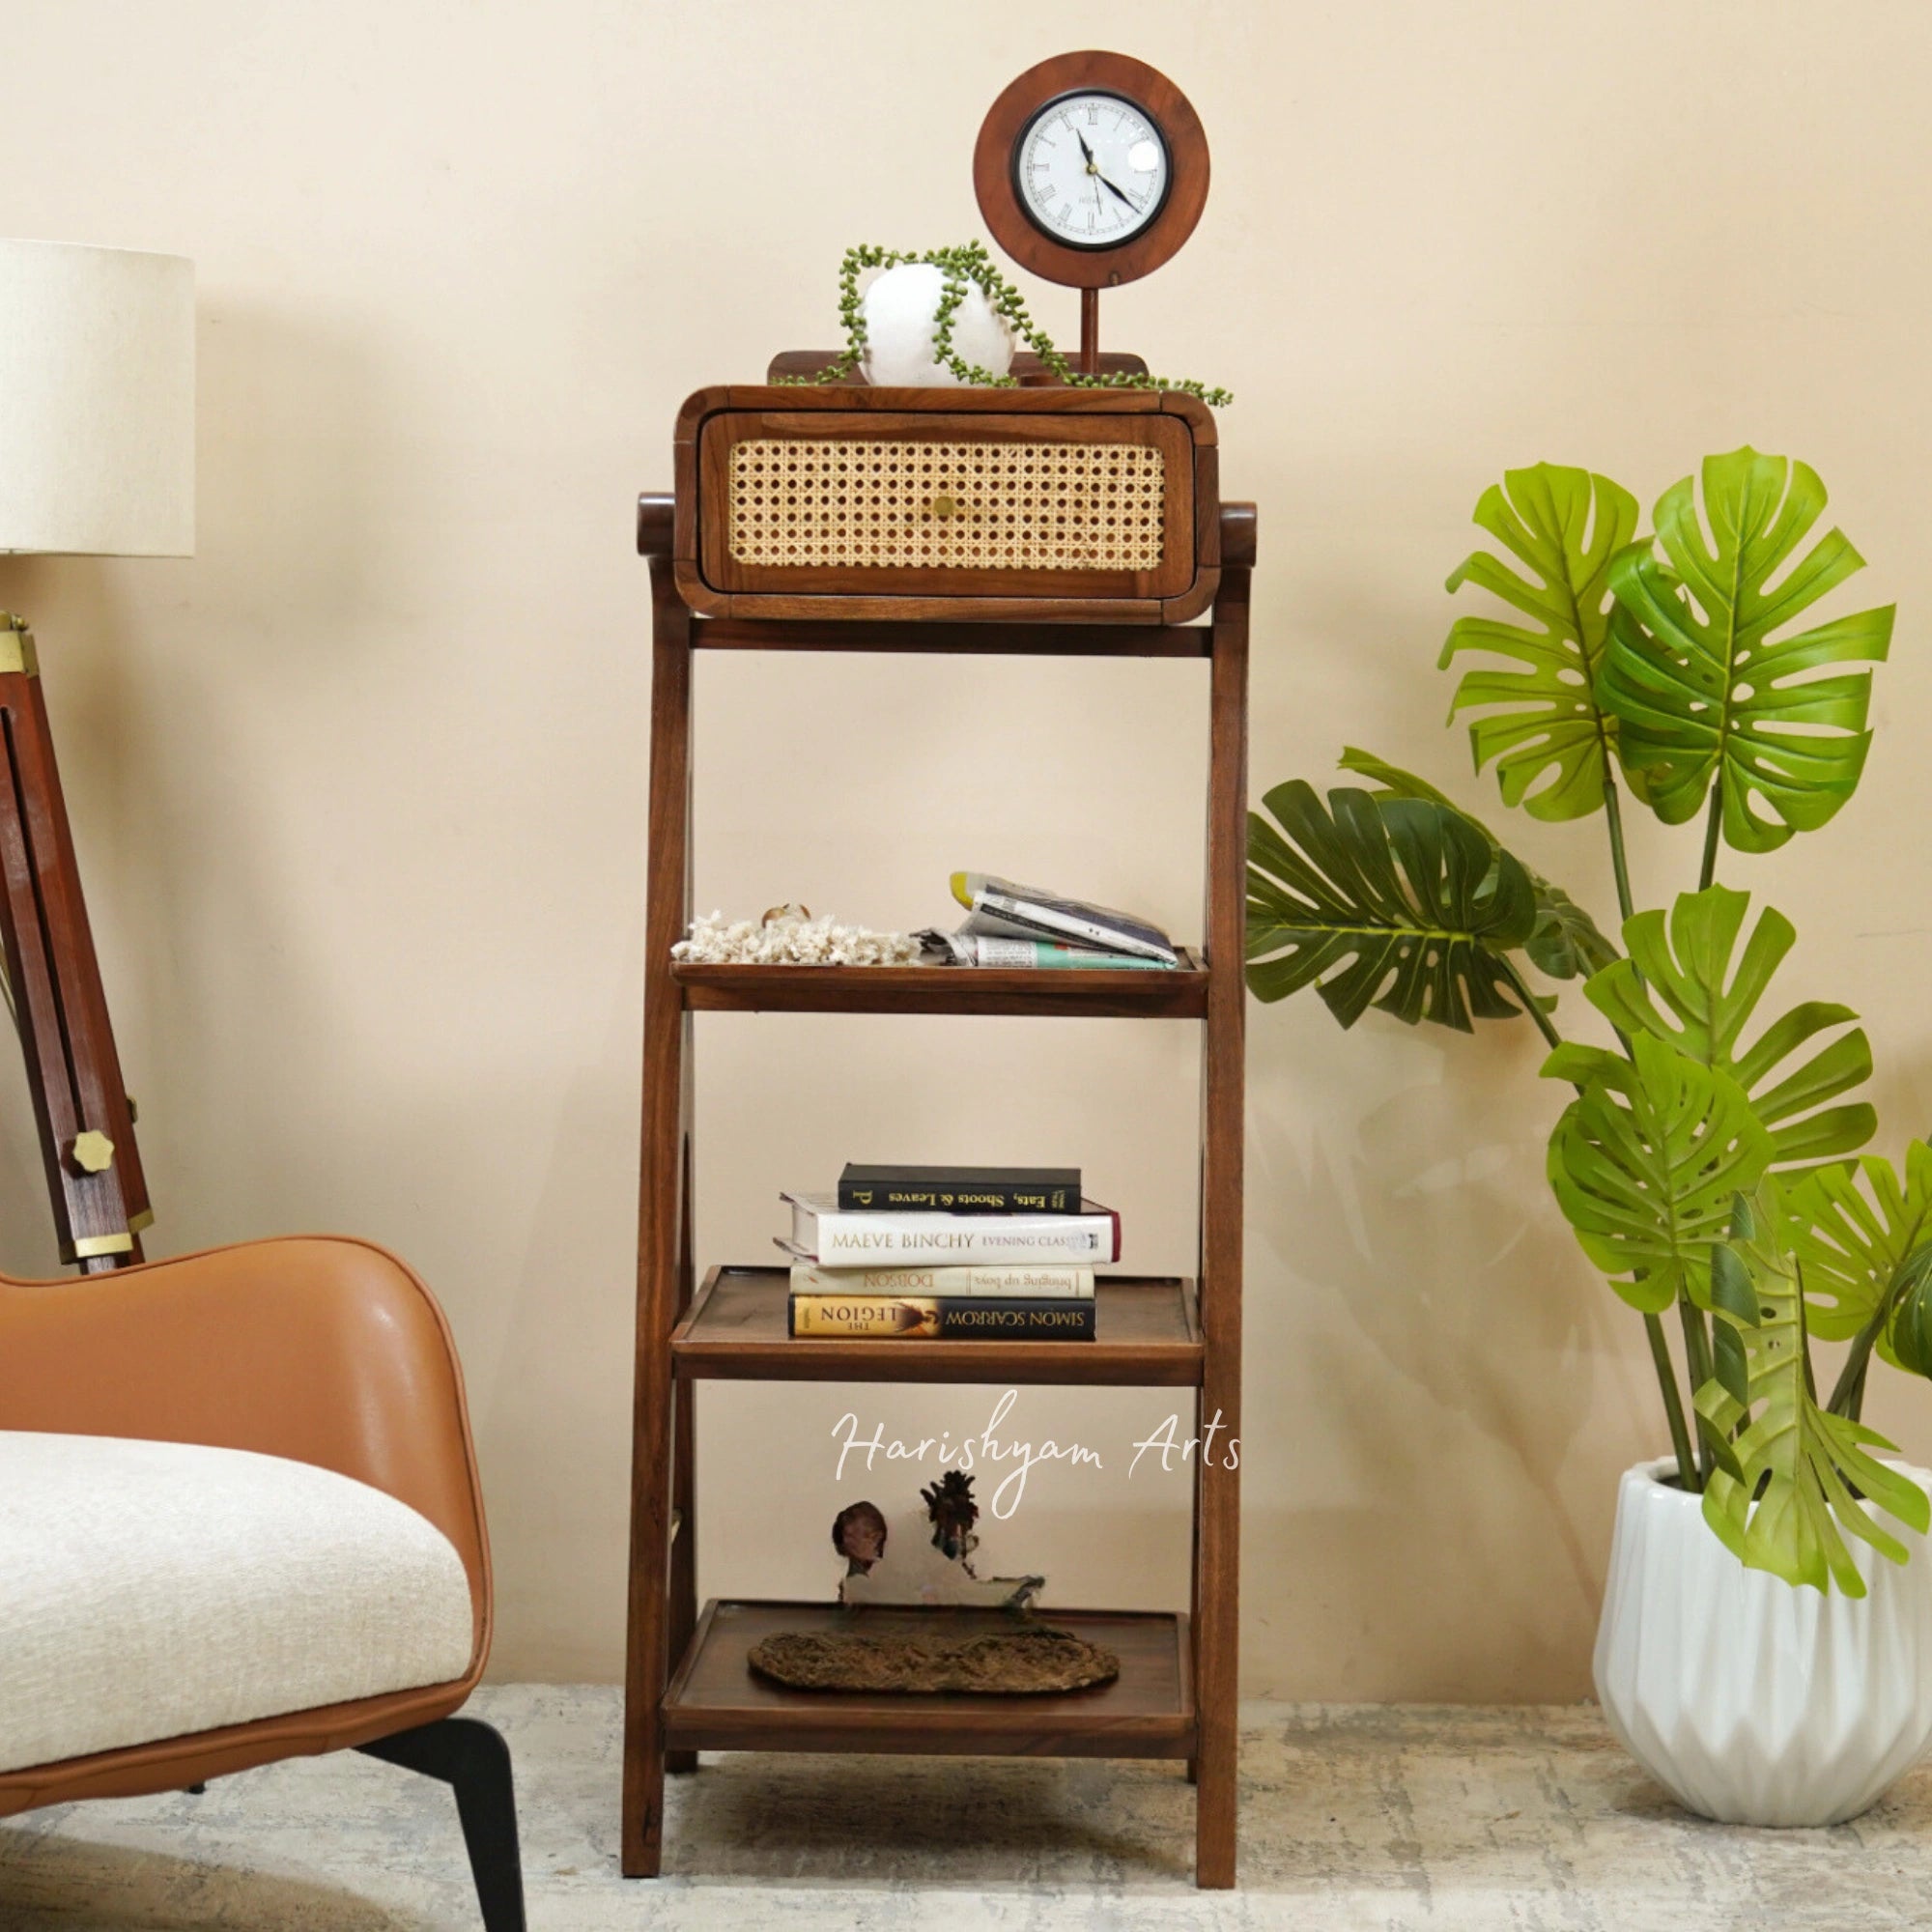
(1706, 1161)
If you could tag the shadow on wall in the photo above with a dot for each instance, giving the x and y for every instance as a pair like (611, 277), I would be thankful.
(1443, 1313)
(165, 687)
(290, 416)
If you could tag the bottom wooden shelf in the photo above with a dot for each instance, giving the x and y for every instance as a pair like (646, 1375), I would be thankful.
(715, 1703)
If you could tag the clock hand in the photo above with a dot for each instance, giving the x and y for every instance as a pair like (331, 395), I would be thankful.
(1120, 194)
(1086, 153)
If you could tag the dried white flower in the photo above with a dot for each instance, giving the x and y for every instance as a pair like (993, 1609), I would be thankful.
(787, 937)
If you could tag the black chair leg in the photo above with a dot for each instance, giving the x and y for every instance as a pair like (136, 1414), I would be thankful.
(473, 1760)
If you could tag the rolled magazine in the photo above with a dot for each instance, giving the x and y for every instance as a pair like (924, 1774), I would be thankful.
(1000, 909)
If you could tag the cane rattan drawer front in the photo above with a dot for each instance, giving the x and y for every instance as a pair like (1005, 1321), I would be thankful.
(1091, 511)
(861, 503)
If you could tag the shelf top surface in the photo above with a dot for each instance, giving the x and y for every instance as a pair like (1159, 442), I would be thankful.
(1123, 992)
(716, 1701)
(1149, 1336)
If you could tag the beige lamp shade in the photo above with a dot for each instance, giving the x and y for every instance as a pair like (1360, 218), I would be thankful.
(96, 401)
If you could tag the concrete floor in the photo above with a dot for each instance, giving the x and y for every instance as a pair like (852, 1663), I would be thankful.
(1359, 1818)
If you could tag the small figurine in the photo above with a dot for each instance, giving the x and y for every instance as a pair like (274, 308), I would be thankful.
(928, 1559)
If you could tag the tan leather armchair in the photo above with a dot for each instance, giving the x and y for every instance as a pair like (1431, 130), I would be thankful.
(321, 1350)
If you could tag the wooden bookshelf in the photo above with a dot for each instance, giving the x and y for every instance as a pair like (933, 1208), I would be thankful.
(688, 1686)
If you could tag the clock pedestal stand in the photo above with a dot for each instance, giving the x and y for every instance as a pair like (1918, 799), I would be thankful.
(752, 554)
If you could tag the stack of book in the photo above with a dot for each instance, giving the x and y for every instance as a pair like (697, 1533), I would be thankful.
(1021, 926)
(949, 1253)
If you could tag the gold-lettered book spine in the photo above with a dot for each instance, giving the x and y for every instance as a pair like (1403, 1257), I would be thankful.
(939, 1318)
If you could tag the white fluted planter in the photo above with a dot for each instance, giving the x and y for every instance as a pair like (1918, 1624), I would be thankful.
(1748, 1700)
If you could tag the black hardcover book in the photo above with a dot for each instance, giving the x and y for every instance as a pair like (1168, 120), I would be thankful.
(961, 1190)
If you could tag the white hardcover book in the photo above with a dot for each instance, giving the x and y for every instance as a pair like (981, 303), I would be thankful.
(822, 1232)
(978, 1283)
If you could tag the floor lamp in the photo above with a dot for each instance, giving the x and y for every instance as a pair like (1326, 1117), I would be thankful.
(97, 459)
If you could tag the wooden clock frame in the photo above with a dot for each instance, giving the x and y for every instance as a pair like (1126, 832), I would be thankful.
(1091, 270)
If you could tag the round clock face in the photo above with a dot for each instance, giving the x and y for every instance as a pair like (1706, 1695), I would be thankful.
(1092, 169)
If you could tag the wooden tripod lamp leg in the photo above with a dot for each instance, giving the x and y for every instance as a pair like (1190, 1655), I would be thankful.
(86, 1124)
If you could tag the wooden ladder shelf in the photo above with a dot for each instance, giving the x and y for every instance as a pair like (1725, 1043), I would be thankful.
(688, 1686)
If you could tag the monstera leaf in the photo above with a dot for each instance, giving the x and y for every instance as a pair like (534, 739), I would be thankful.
(1909, 1329)
(1701, 685)
(1545, 726)
(1565, 942)
(1858, 1244)
(1398, 903)
(1804, 1468)
(1644, 1163)
(1681, 986)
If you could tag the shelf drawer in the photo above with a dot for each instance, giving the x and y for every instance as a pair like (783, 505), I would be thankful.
(889, 502)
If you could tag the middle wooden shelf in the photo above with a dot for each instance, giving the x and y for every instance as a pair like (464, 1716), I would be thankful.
(1149, 1337)
(1178, 993)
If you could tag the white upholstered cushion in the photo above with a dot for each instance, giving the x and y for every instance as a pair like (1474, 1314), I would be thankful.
(154, 1589)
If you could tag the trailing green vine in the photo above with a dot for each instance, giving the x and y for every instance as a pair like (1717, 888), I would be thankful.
(969, 263)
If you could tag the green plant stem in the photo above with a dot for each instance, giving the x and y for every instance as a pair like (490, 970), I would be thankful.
(1856, 1406)
(1689, 1475)
(1707, 873)
(1673, 1403)
(1613, 817)
(1529, 1003)
(969, 263)
(1848, 1392)
(1660, 1349)
(1697, 1370)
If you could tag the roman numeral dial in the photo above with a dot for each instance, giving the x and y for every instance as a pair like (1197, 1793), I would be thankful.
(1090, 169)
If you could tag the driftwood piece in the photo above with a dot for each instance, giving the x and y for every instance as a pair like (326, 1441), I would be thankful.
(1026, 1662)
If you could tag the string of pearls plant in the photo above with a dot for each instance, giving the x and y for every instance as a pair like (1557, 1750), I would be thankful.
(970, 263)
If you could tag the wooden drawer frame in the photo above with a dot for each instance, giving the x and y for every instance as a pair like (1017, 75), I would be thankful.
(715, 586)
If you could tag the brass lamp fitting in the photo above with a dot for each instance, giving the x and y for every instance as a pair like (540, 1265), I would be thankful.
(91, 1151)
(17, 647)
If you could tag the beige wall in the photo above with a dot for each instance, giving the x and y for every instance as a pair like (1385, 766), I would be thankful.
(359, 789)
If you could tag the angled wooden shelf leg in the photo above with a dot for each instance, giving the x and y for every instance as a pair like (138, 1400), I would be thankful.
(682, 1608)
(1216, 1592)
(663, 1243)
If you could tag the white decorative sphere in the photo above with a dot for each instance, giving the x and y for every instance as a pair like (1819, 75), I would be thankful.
(900, 308)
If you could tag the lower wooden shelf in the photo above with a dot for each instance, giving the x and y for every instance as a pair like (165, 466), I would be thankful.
(715, 1703)
(1147, 1336)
